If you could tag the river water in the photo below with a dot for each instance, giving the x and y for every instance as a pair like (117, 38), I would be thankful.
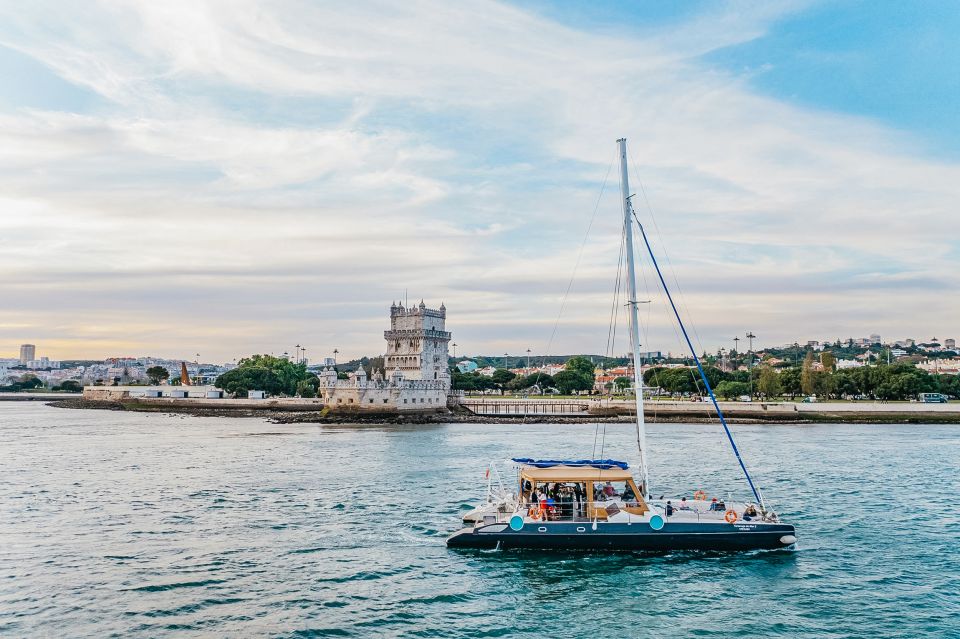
(143, 525)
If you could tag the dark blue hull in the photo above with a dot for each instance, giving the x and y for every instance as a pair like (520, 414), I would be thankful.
(622, 536)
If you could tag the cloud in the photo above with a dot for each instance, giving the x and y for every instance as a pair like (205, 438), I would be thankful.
(279, 171)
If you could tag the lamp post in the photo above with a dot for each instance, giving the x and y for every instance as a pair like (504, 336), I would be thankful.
(454, 350)
(303, 355)
(528, 361)
(505, 360)
(335, 351)
(750, 336)
(198, 368)
(298, 353)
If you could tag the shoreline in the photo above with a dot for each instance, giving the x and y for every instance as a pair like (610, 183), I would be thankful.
(694, 415)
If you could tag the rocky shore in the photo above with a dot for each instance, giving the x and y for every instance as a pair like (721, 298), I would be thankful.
(694, 414)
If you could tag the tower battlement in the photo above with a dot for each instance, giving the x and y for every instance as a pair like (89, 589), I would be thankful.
(417, 343)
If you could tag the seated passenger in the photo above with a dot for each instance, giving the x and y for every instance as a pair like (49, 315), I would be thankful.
(609, 490)
(683, 504)
(628, 494)
(669, 509)
(750, 513)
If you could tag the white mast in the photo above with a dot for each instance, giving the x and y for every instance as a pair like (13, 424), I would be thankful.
(634, 324)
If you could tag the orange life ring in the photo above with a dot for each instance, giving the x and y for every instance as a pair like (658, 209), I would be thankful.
(730, 516)
(700, 495)
(535, 513)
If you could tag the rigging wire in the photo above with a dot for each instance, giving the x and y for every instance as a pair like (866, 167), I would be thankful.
(696, 359)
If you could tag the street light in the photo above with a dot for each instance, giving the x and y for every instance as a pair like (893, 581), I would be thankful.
(335, 351)
(528, 360)
(750, 336)
(298, 353)
(505, 356)
(454, 350)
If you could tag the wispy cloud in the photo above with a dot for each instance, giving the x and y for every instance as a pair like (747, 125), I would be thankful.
(278, 172)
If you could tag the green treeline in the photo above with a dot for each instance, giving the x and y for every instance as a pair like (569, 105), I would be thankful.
(275, 375)
(577, 376)
(881, 382)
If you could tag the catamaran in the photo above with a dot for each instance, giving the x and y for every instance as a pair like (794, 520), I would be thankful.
(597, 503)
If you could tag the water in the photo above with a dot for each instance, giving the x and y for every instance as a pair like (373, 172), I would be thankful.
(141, 525)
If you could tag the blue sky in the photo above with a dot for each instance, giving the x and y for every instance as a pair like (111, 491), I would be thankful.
(280, 172)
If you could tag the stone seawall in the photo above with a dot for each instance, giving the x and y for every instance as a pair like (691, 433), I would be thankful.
(312, 411)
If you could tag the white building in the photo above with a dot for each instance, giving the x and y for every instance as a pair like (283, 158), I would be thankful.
(416, 359)
(848, 363)
(941, 366)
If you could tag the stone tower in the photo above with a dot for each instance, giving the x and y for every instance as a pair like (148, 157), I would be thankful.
(417, 343)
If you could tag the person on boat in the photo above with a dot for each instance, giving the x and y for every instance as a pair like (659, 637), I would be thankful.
(669, 509)
(550, 509)
(750, 513)
(609, 490)
(628, 494)
(566, 503)
(683, 504)
(714, 505)
(579, 497)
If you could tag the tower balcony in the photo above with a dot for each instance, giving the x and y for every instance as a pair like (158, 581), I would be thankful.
(417, 333)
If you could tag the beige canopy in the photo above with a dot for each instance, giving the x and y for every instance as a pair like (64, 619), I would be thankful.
(573, 473)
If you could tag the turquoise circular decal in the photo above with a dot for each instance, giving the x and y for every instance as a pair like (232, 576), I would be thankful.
(656, 522)
(516, 522)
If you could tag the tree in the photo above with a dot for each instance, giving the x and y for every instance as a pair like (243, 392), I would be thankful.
(622, 383)
(652, 374)
(276, 375)
(807, 383)
(578, 375)
(768, 384)
(714, 376)
(790, 381)
(28, 382)
(828, 360)
(71, 386)
(582, 365)
(731, 390)
(501, 377)
(157, 374)
(306, 389)
(569, 381)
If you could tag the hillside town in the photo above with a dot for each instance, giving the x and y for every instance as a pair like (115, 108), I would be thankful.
(741, 373)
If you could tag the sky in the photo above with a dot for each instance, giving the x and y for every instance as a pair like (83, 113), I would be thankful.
(227, 178)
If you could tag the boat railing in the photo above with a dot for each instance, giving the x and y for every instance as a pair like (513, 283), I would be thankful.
(701, 510)
(571, 511)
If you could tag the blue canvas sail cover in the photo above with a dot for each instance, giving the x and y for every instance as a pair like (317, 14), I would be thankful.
(602, 464)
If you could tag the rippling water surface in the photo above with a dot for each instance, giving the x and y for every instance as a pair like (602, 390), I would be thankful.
(155, 526)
